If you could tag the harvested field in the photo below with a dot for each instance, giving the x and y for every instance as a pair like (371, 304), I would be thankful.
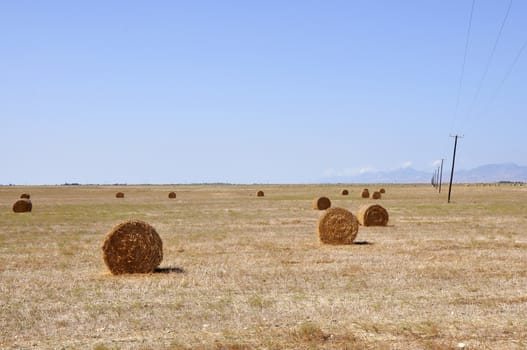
(242, 273)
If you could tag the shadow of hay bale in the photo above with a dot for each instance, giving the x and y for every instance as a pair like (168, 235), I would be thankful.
(169, 270)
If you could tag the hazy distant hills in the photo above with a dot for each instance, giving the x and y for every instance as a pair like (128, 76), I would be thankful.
(486, 173)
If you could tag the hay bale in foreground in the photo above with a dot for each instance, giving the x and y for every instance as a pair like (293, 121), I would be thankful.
(344, 192)
(376, 195)
(337, 226)
(132, 247)
(119, 195)
(321, 203)
(372, 215)
(172, 195)
(382, 190)
(365, 193)
(260, 194)
(22, 206)
(25, 196)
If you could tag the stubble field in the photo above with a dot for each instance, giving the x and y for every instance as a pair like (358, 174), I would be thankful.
(242, 272)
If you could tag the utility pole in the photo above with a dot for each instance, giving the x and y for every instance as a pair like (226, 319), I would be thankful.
(437, 178)
(441, 174)
(453, 162)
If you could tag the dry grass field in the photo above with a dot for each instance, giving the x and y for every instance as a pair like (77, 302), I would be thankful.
(242, 272)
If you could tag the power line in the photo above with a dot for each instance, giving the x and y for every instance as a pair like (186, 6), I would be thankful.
(508, 72)
(464, 60)
(489, 61)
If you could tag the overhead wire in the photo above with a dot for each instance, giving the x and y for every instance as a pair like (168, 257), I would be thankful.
(464, 63)
(489, 61)
(508, 72)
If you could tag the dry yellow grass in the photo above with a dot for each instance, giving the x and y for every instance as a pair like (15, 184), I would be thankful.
(240, 273)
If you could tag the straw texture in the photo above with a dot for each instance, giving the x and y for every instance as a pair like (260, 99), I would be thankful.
(372, 215)
(22, 206)
(337, 226)
(132, 247)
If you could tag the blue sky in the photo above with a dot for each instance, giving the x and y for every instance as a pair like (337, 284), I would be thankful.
(256, 91)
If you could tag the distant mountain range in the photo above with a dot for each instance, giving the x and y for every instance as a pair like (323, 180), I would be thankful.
(483, 174)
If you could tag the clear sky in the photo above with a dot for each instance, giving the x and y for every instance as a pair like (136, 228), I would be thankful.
(256, 91)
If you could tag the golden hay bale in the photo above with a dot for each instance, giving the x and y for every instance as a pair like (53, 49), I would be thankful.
(337, 226)
(172, 195)
(321, 203)
(132, 247)
(372, 215)
(25, 196)
(119, 195)
(376, 195)
(382, 190)
(260, 194)
(365, 193)
(344, 192)
(22, 206)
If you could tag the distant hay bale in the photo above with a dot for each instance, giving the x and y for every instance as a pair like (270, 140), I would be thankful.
(260, 194)
(337, 226)
(372, 215)
(22, 206)
(132, 247)
(344, 192)
(382, 190)
(321, 203)
(25, 196)
(119, 195)
(365, 193)
(172, 195)
(376, 195)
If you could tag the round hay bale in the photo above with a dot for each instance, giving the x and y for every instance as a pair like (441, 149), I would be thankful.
(382, 190)
(344, 192)
(365, 193)
(119, 195)
(337, 226)
(25, 196)
(132, 247)
(22, 206)
(260, 194)
(376, 195)
(321, 203)
(372, 215)
(172, 195)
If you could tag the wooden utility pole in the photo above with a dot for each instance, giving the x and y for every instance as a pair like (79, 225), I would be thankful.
(453, 162)
(441, 174)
